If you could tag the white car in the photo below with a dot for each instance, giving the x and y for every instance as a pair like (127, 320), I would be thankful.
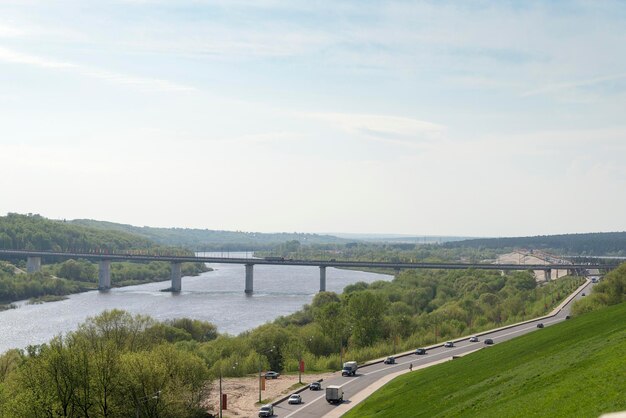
(266, 411)
(473, 339)
(295, 399)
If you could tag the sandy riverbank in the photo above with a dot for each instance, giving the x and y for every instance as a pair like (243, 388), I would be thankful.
(519, 257)
(243, 392)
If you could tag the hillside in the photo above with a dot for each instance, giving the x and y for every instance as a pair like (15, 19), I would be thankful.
(572, 369)
(207, 240)
(39, 233)
(593, 244)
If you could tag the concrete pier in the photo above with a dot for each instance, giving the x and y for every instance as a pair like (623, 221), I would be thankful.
(548, 275)
(33, 264)
(322, 278)
(176, 277)
(104, 275)
(249, 278)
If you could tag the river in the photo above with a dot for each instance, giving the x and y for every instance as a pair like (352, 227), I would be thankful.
(216, 296)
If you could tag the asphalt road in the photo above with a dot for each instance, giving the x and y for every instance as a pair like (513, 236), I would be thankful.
(314, 403)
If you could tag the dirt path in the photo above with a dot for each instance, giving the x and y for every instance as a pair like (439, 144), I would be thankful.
(243, 393)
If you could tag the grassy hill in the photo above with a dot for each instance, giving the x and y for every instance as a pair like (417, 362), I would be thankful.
(574, 369)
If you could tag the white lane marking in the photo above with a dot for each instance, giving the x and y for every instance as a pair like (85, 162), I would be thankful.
(445, 354)
(318, 398)
(304, 406)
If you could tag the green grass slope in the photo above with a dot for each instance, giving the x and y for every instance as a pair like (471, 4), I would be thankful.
(574, 369)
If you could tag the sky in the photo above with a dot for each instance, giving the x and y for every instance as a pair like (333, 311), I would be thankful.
(499, 118)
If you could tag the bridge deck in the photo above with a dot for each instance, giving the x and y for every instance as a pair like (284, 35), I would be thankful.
(294, 262)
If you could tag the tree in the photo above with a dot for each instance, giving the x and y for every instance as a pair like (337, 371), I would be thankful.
(332, 320)
(366, 310)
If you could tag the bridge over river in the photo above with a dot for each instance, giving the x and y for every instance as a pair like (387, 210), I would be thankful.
(104, 260)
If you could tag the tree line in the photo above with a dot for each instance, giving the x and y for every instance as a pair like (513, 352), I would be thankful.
(34, 232)
(114, 365)
(596, 244)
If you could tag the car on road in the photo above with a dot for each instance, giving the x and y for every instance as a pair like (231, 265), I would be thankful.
(473, 339)
(449, 344)
(540, 325)
(420, 351)
(271, 375)
(488, 341)
(567, 317)
(390, 360)
(315, 386)
(583, 294)
(295, 399)
(266, 411)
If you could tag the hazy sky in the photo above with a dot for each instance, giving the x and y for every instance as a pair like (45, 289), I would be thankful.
(490, 119)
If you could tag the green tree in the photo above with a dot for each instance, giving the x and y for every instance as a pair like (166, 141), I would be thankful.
(366, 310)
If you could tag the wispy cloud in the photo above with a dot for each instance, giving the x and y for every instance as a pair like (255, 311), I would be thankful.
(395, 129)
(550, 88)
(144, 83)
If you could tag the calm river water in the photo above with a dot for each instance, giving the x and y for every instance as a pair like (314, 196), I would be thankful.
(215, 296)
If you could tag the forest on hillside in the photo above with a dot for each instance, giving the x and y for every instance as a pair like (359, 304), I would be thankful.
(34, 232)
(59, 277)
(591, 244)
(211, 240)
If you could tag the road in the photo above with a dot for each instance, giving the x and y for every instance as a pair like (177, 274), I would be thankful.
(314, 402)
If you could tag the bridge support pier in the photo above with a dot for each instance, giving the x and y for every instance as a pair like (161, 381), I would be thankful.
(547, 274)
(33, 264)
(322, 278)
(176, 277)
(104, 274)
(397, 271)
(249, 278)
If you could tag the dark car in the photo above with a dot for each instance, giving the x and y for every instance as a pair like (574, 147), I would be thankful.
(271, 375)
(540, 325)
(567, 317)
(390, 360)
(315, 386)
(449, 344)
(582, 294)
(420, 351)
(488, 341)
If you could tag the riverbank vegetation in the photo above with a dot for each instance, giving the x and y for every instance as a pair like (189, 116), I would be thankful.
(114, 365)
(385, 252)
(73, 276)
(60, 277)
